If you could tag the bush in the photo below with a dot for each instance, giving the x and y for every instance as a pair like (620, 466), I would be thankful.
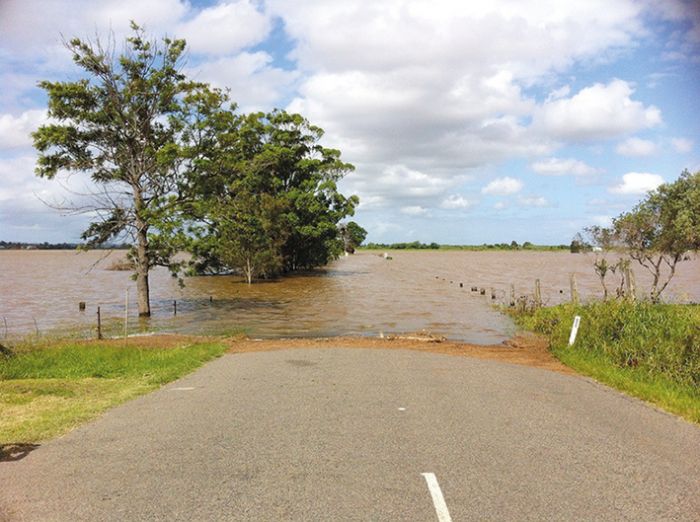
(656, 338)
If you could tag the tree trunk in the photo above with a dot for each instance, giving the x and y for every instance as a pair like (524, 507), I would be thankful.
(142, 290)
(249, 271)
(142, 259)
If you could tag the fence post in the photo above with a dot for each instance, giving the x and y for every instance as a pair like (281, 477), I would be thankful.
(126, 314)
(99, 324)
(174, 307)
(512, 295)
(538, 294)
(574, 289)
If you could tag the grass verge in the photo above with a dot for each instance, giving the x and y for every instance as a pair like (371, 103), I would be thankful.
(648, 351)
(48, 389)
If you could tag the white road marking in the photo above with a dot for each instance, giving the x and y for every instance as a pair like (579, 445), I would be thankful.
(438, 500)
(402, 409)
(184, 388)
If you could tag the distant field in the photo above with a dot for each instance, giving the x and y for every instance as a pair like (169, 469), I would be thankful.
(416, 245)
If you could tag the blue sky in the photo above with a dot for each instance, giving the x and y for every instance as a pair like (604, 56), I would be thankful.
(467, 122)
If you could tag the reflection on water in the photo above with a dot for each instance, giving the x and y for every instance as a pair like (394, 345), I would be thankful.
(362, 294)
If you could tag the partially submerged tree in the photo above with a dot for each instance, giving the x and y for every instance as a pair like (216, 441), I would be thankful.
(122, 125)
(659, 232)
(352, 235)
(288, 219)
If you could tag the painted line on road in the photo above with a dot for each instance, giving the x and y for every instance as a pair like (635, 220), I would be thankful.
(183, 388)
(438, 500)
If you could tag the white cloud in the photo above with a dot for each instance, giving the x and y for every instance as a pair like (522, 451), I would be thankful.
(561, 92)
(500, 205)
(533, 201)
(398, 185)
(530, 37)
(682, 145)
(255, 84)
(225, 28)
(15, 130)
(563, 167)
(414, 210)
(33, 29)
(455, 201)
(602, 220)
(637, 183)
(636, 147)
(503, 187)
(597, 112)
(440, 87)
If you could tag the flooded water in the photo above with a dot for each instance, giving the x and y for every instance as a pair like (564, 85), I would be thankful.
(362, 294)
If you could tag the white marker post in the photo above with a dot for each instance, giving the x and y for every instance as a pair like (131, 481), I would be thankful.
(574, 330)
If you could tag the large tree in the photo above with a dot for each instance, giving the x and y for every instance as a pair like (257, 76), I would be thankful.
(272, 189)
(123, 123)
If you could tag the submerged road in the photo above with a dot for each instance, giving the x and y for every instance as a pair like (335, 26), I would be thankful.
(332, 434)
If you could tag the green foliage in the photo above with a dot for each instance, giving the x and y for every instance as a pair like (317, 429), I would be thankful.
(123, 124)
(47, 390)
(178, 170)
(659, 231)
(270, 199)
(578, 245)
(352, 235)
(79, 361)
(415, 245)
(653, 338)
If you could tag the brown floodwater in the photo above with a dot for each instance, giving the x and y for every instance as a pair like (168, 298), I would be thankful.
(363, 294)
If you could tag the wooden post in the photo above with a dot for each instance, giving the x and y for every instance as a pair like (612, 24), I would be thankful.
(211, 299)
(512, 295)
(174, 307)
(538, 293)
(629, 283)
(81, 306)
(126, 314)
(574, 289)
(99, 323)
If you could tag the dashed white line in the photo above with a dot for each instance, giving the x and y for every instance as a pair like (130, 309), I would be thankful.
(438, 500)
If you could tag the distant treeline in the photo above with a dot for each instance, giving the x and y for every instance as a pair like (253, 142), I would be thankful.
(417, 245)
(13, 245)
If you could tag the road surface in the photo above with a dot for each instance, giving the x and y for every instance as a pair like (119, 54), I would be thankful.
(353, 434)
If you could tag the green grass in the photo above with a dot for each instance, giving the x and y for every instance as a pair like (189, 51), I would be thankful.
(48, 389)
(650, 351)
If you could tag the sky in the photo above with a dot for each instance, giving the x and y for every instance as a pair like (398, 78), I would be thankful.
(468, 122)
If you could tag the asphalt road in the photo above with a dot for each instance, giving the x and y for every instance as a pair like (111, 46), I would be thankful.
(349, 434)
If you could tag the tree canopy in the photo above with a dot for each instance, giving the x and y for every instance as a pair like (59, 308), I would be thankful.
(177, 167)
(659, 232)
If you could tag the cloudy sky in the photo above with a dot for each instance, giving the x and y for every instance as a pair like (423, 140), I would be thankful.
(467, 121)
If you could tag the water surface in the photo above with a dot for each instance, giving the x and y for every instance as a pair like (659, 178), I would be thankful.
(363, 294)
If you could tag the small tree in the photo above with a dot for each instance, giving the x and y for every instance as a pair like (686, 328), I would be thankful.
(659, 232)
(251, 232)
(121, 124)
(352, 235)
